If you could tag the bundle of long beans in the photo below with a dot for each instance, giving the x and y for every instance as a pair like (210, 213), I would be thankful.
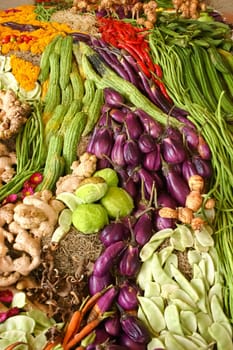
(217, 132)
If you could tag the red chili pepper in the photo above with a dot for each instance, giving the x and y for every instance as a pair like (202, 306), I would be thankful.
(158, 70)
(163, 89)
(133, 52)
(6, 39)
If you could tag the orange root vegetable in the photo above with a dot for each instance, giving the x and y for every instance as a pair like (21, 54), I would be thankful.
(73, 326)
(51, 344)
(12, 346)
(92, 300)
(86, 330)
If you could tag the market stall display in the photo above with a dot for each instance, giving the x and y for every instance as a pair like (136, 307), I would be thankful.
(116, 177)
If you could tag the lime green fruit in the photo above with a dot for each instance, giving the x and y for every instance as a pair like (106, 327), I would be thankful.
(109, 175)
(89, 218)
(91, 189)
(117, 202)
(69, 199)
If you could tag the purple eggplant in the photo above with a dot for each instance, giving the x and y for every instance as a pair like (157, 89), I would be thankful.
(78, 36)
(186, 121)
(132, 171)
(191, 137)
(130, 263)
(151, 126)
(103, 142)
(105, 261)
(131, 344)
(176, 185)
(101, 336)
(163, 223)
(103, 304)
(103, 163)
(105, 120)
(143, 229)
(21, 27)
(113, 98)
(148, 88)
(117, 153)
(132, 154)
(165, 200)
(133, 125)
(204, 167)
(173, 151)
(146, 143)
(134, 328)
(131, 187)
(174, 134)
(149, 182)
(152, 160)
(188, 169)
(115, 231)
(113, 346)
(90, 146)
(177, 168)
(128, 296)
(96, 283)
(112, 325)
(133, 78)
(203, 149)
(118, 115)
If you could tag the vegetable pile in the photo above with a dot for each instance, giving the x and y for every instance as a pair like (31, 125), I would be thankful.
(121, 139)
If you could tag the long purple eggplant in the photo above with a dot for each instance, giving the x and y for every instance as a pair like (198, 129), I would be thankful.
(106, 260)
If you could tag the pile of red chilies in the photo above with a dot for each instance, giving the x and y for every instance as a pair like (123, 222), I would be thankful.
(126, 37)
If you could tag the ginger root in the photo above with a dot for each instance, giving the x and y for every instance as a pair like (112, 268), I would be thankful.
(81, 169)
(22, 226)
(7, 164)
(13, 114)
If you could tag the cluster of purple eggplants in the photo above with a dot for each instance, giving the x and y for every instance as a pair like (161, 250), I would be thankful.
(122, 329)
(146, 154)
(154, 164)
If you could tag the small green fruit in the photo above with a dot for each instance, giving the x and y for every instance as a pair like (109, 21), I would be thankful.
(91, 189)
(117, 202)
(89, 218)
(109, 175)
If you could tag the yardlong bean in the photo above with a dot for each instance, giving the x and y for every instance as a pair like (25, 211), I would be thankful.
(30, 152)
(218, 134)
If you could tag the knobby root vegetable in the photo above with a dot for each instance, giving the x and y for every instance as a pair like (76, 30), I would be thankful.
(13, 114)
(82, 168)
(22, 226)
(7, 163)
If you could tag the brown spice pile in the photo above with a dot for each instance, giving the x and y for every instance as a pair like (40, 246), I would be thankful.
(77, 252)
(62, 278)
(85, 23)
